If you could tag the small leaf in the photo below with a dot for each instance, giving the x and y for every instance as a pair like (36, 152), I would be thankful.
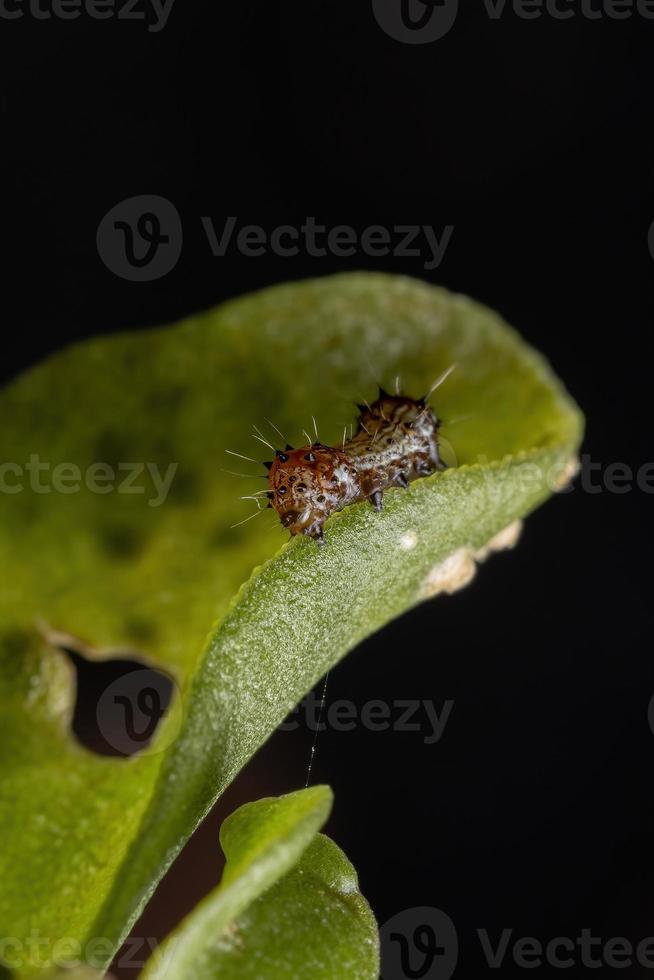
(288, 904)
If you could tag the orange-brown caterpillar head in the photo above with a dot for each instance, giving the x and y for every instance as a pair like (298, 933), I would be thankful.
(306, 485)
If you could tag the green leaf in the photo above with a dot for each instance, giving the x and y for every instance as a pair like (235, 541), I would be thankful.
(115, 574)
(272, 916)
(75, 973)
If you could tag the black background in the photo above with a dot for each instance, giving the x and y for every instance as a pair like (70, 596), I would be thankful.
(534, 139)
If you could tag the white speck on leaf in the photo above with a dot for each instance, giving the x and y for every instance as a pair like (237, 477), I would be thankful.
(408, 541)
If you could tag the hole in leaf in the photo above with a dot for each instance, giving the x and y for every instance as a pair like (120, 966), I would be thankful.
(120, 704)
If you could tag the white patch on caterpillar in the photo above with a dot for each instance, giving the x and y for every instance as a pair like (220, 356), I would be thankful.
(458, 569)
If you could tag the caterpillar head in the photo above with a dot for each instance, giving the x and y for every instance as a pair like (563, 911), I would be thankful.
(306, 485)
(407, 428)
(393, 410)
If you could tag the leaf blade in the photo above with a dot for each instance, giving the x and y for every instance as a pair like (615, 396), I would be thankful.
(123, 575)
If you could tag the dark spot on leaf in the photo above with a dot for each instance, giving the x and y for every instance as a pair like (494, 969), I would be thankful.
(186, 487)
(15, 642)
(16, 645)
(166, 399)
(140, 629)
(222, 536)
(122, 540)
(162, 450)
(112, 448)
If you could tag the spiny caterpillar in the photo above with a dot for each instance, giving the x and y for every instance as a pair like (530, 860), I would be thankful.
(396, 441)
